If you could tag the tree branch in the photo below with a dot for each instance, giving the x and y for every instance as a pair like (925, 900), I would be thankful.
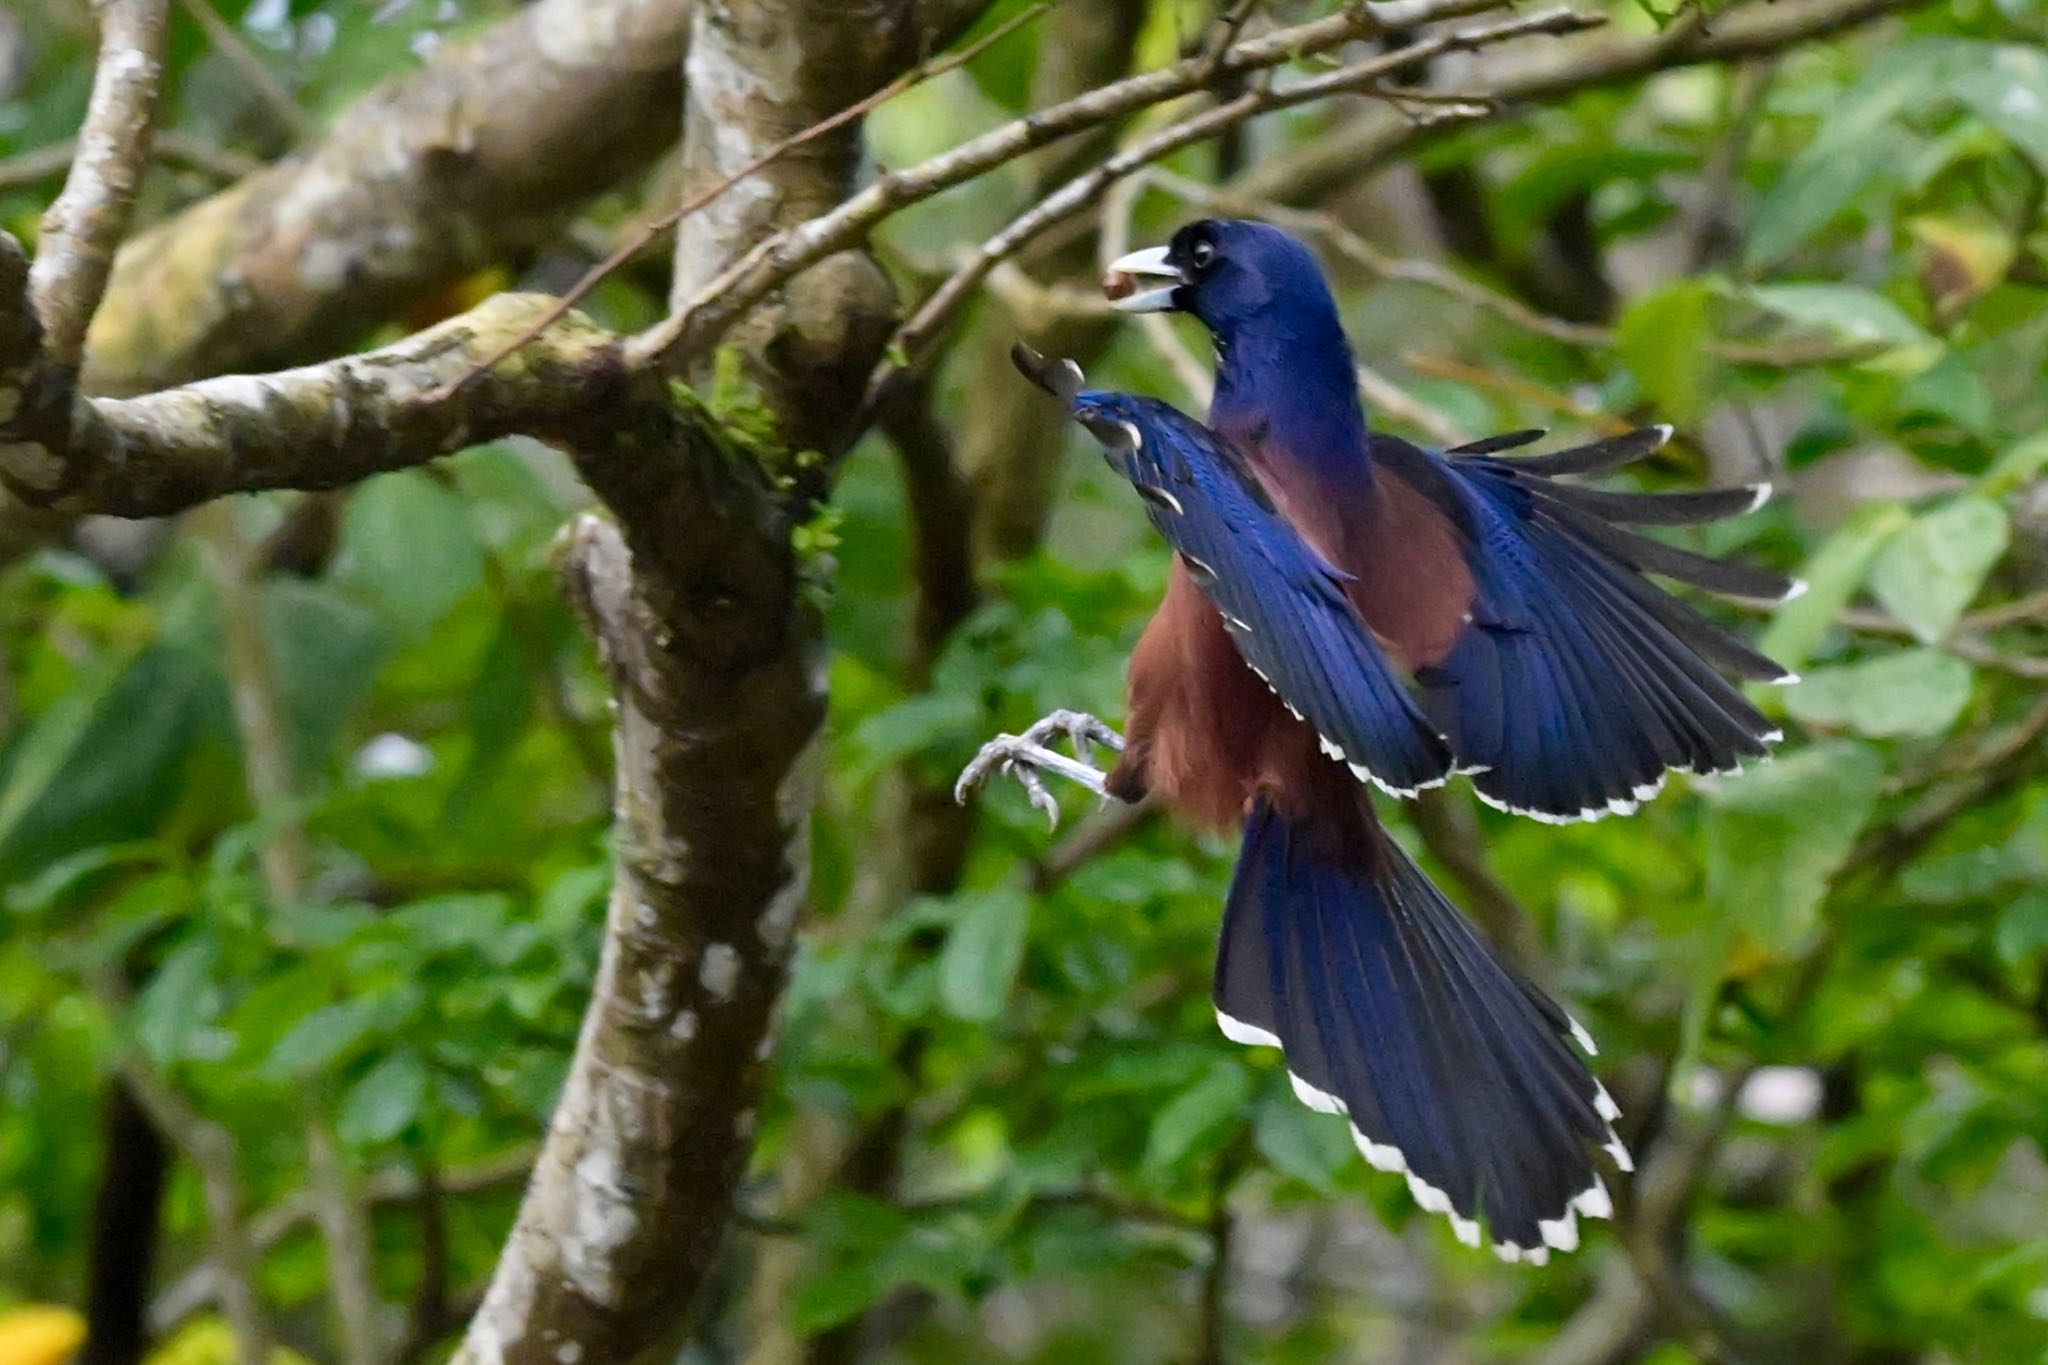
(167, 146)
(211, 1150)
(700, 318)
(644, 235)
(483, 152)
(1086, 188)
(199, 1286)
(1346, 155)
(75, 252)
(321, 426)
(714, 662)
(633, 1189)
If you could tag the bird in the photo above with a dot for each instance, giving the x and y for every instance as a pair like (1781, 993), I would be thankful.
(1348, 610)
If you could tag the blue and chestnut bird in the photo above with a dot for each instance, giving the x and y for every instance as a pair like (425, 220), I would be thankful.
(1348, 608)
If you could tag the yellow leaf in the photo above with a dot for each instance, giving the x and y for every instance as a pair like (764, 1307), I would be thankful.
(1965, 255)
(40, 1336)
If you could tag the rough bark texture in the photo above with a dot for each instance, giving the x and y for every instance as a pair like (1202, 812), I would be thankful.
(318, 427)
(694, 603)
(757, 72)
(487, 150)
(720, 696)
(85, 224)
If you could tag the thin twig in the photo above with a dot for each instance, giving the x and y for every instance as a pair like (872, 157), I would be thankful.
(284, 856)
(1788, 354)
(169, 147)
(735, 290)
(262, 80)
(667, 222)
(75, 252)
(270, 1227)
(912, 339)
(211, 1150)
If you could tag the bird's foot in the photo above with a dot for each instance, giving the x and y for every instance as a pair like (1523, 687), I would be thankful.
(1026, 756)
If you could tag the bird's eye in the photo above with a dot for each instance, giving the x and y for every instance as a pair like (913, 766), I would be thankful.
(1202, 254)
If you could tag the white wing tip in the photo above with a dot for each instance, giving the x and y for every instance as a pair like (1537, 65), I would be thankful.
(1583, 1038)
(1322, 1101)
(1620, 1154)
(1251, 1035)
(1594, 1201)
(1759, 494)
(1562, 1233)
(1796, 591)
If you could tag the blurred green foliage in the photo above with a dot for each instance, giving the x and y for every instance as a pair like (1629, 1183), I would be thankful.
(1829, 268)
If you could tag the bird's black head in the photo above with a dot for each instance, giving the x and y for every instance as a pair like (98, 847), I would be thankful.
(1235, 276)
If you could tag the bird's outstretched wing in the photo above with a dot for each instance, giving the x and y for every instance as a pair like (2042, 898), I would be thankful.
(1283, 605)
(1574, 681)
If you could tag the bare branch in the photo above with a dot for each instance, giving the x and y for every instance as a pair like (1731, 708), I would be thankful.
(238, 54)
(75, 252)
(320, 426)
(345, 1227)
(1083, 190)
(1348, 154)
(761, 161)
(700, 319)
(211, 1150)
(168, 146)
(199, 1286)
(632, 1192)
(284, 857)
(1412, 270)
(482, 152)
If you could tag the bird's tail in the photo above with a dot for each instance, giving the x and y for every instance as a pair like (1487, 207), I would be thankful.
(1452, 1068)
(1583, 682)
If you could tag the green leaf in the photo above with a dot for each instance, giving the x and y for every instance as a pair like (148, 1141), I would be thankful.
(1198, 1118)
(409, 544)
(322, 1037)
(2023, 927)
(1776, 834)
(1855, 142)
(103, 763)
(1662, 338)
(1833, 575)
(459, 921)
(1932, 569)
(325, 649)
(2017, 466)
(911, 727)
(1297, 1141)
(2009, 90)
(979, 964)
(386, 1101)
(1822, 181)
(82, 869)
(181, 998)
(1854, 316)
(1917, 692)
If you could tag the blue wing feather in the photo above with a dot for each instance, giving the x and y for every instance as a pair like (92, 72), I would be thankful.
(1284, 605)
(1576, 683)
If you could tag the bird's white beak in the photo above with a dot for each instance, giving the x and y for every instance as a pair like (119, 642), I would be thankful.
(1150, 261)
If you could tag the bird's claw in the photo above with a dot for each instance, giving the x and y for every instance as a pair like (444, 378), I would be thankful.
(1028, 755)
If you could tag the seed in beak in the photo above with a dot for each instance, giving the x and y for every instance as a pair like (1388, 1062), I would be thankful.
(1118, 284)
